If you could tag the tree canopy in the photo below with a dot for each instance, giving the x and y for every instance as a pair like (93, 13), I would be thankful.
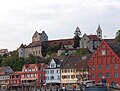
(117, 37)
(77, 38)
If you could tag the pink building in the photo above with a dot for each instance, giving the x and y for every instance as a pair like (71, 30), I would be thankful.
(33, 75)
(15, 80)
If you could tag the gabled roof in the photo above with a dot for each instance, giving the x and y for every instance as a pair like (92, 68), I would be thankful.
(22, 46)
(17, 73)
(93, 37)
(5, 70)
(32, 66)
(34, 44)
(114, 46)
(57, 61)
(76, 61)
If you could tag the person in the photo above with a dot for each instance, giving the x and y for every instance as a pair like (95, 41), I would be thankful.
(73, 89)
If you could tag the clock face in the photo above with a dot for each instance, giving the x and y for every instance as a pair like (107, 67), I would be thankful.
(103, 52)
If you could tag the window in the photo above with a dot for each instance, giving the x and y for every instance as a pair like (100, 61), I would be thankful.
(107, 66)
(115, 66)
(65, 71)
(99, 67)
(84, 57)
(52, 77)
(64, 76)
(93, 67)
(72, 76)
(58, 77)
(115, 75)
(33, 69)
(99, 75)
(52, 71)
(52, 65)
(47, 78)
(78, 76)
(68, 70)
(58, 71)
(93, 75)
(68, 76)
(107, 75)
(36, 52)
(74, 70)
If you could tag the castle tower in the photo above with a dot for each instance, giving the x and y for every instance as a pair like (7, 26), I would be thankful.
(21, 51)
(99, 32)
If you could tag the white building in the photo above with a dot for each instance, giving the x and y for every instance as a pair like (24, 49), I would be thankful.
(91, 41)
(53, 71)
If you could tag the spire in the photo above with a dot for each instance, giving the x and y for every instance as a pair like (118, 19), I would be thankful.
(99, 28)
(99, 32)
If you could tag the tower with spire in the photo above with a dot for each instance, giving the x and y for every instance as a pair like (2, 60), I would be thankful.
(99, 32)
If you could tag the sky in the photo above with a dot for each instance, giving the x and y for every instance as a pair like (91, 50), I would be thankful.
(19, 19)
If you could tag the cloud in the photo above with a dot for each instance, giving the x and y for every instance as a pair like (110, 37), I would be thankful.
(19, 19)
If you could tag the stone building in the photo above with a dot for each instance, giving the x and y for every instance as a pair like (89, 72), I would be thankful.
(91, 41)
(35, 47)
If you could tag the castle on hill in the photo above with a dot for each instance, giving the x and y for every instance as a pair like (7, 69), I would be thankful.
(35, 48)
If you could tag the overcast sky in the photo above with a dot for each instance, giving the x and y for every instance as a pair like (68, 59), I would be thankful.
(19, 19)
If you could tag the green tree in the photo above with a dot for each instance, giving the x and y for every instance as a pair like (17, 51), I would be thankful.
(117, 38)
(13, 61)
(77, 38)
(31, 59)
(76, 41)
(81, 51)
(53, 49)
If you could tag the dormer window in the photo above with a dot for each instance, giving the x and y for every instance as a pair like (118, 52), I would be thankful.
(58, 65)
(52, 65)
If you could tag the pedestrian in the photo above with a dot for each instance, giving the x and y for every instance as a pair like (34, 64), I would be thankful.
(73, 89)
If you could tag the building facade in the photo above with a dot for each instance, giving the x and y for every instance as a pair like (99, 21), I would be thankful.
(35, 47)
(74, 70)
(5, 73)
(15, 81)
(33, 75)
(105, 62)
(53, 72)
(66, 43)
(3, 51)
(91, 41)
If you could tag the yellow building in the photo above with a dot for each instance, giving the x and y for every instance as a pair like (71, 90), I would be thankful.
(74, 70)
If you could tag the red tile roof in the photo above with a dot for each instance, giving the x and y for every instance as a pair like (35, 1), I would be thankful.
(76, 61)
(61, 41)
(93, 37)
(31, 66)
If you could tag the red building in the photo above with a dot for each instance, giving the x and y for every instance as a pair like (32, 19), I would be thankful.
(105, 62)
(15, 80)
(33, 75)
